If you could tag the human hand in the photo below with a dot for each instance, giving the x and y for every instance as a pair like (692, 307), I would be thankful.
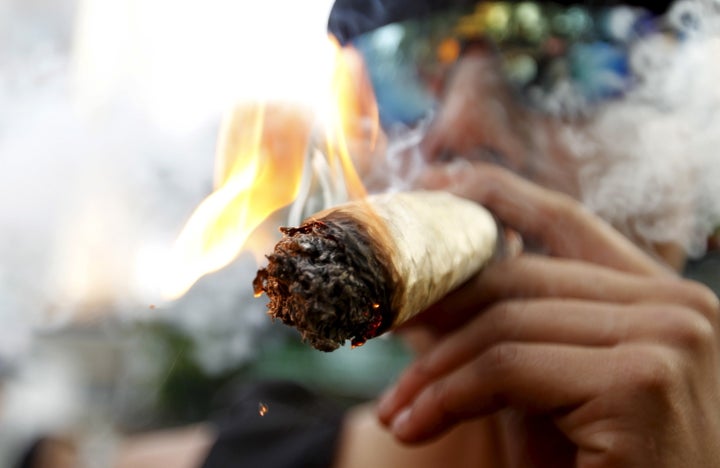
(608, 347)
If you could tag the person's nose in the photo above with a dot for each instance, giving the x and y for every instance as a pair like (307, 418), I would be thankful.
(478, 117)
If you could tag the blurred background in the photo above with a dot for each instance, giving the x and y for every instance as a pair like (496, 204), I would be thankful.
(109, 119)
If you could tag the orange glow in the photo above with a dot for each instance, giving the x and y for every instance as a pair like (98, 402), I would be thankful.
(448, 51)
(353, 124)
(260, 163)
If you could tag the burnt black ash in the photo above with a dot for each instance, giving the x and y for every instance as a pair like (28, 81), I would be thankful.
(325, 279)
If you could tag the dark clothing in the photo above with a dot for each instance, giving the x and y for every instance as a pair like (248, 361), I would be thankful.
(297, 430)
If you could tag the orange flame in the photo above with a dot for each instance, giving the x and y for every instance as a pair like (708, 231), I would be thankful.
(260, 163)
(354, 118)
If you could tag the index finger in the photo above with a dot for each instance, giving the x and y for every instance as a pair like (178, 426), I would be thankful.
(534, 276)
(554, 220)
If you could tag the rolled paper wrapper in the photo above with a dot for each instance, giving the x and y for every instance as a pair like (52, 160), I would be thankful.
(354, 271)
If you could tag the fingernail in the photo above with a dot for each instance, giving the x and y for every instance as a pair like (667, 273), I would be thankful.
(399, 424)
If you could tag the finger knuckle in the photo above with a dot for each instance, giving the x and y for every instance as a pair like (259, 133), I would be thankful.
(615, 447)
(708, 302)
(701, 298)
(499, 359)
(692, 331)
(653, 371)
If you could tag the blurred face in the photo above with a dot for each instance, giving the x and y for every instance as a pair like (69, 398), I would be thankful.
(479, 118)
(504, 81)
(619, 113)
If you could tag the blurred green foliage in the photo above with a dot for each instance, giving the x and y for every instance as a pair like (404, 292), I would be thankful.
(188, 393)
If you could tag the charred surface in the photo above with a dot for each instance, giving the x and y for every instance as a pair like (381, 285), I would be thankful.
(326, 279)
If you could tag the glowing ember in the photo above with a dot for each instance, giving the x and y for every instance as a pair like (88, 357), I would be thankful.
(262, 409)
(260, 164)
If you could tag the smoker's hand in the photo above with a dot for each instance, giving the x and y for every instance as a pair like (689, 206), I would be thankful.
(608, 348)
(626, 367)
(553, 221)
(549, 220)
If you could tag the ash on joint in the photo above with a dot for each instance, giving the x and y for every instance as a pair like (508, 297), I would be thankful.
(325, 279)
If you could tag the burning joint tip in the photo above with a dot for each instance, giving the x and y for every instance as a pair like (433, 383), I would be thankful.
(262, 409)
(357, 270)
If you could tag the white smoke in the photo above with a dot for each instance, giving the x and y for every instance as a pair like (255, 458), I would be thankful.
(105, 151)
(651, 162)
(109, 116)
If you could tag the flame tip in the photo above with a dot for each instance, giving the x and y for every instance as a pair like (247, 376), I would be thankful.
(260, 162)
